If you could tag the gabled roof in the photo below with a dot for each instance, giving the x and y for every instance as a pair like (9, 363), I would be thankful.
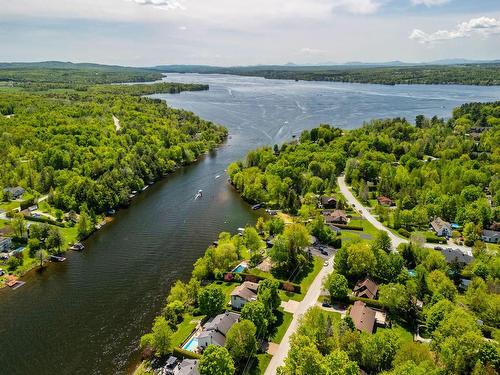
(438, 224)
(246, 291)
(222, 322)
(491, 233)
(328, 200)
(363, 317)
(456, 255)
(366, 288)
(188, 367)
(384, 200)
(215, 337)
(336, 216)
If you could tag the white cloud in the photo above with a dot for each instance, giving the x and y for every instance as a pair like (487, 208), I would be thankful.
(312, 51)
(162, 4)
(429, 3)
(357, 6)
(483, 26)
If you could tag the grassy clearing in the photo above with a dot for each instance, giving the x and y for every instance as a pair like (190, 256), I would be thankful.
(307, 281)
(184, 328)
(406, 335)
(7, 206)
(367, 226)
(284, 320)
(259, 364)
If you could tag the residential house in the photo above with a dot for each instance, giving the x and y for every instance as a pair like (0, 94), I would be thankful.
(366, 318)
(336, 217)
(457, 256)
(385, 201)
(441, 227)
(187, 367)
(215, 331)
(15, 192)
(5, 244)
(246, 292)
(491, 236)
(328, 202)
(366, 289)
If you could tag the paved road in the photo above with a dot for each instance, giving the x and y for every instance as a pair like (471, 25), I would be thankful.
(309, 300)
(396, 240)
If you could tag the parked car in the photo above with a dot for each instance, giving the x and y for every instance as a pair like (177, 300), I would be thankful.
(324, 252)
(325, 303)
(325, 264)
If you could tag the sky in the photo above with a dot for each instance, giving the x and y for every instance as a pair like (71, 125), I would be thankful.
(238, 32)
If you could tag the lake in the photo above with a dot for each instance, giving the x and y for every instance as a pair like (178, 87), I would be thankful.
(86, 315)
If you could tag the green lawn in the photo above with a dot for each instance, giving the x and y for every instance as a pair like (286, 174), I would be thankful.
(227, 288)
(284, 320)
(406, 335)
(286, 296)
(7, 206)
(307, 281)
(184, 328)
(259, 364)
(368, 228)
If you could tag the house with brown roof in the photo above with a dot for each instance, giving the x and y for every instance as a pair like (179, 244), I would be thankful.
(441, 227)
(336, 217)
(246, 292)
(385, 201)
(328, 202)
(365, 318)
(366, 288)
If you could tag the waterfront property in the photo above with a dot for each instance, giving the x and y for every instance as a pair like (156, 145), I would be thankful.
(240, 267)
(214, 332)
(246, 292)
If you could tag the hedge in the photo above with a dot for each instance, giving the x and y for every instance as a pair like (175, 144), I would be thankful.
(434, 239)
(27, 203)
(370, 302)
(45, 220)
(256, 278)
(349, 227)
(404, 232)
(179, 352)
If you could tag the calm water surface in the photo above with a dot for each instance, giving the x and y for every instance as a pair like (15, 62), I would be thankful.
(85, 316)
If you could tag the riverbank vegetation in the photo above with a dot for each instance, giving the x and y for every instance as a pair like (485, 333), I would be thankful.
(74, 148)
(441, 313)
(466, 74)
(207, 294)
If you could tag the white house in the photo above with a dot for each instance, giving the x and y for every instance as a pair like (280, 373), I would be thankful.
(441, 227)
(246, 292)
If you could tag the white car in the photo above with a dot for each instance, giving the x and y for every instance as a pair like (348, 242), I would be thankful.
(325, 263)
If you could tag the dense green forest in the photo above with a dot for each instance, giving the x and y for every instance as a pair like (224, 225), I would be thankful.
(468, 74)
(67, 143)
(436, 168)
(69, 74)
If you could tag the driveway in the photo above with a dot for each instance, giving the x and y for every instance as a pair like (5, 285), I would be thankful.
(396, 240)
(309, 300)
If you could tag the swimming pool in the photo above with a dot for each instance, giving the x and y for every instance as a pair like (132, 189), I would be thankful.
(191, 345)
(240, 268)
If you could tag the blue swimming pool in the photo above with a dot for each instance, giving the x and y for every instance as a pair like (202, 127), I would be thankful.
(241, 267)
(191, 345)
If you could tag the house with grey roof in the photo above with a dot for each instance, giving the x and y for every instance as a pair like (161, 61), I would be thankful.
(187, 367)
(246, 292)
(15, 192)
(491, 236)
(457, 256)
(214, 332)
(5, 244)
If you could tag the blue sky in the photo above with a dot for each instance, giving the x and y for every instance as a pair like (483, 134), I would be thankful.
(237, 32)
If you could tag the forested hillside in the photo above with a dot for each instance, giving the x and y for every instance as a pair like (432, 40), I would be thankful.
(436, 168)
(67, 143)
(467, 74)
